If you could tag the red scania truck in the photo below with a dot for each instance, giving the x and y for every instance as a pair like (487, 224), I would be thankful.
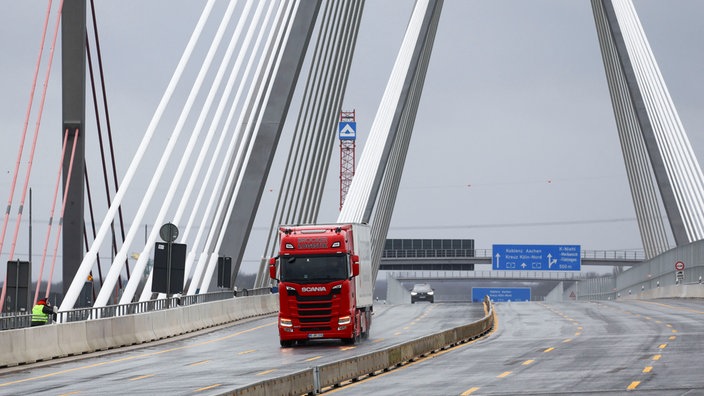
(325, 282)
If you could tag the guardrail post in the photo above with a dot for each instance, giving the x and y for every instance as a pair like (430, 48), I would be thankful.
(316, 380)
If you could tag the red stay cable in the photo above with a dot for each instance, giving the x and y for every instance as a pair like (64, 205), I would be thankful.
(61, 217)
(34, 143)
(51, 219)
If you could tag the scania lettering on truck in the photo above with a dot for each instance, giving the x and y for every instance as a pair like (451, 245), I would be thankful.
(325, 282)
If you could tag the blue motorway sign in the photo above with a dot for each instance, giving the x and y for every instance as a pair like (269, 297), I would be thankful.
(501, 294)
(347, 130)
(536, 257)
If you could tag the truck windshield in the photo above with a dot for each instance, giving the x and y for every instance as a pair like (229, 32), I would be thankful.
(313, 269)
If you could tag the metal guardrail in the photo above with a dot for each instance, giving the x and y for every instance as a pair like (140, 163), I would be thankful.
(12, 320)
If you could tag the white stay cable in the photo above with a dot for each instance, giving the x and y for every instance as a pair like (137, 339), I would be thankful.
(360, 190)
(90, 257)
(184, 162)
(234, 142)
(264, 91)
(206, 145)
(231, 147)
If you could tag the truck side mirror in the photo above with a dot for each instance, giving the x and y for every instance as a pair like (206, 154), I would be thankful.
(355, 265)
(272, 268)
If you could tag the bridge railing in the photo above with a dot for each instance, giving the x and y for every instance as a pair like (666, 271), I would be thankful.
(14, 320)
(620, 255)
(489, 274)
(635, 255)
(429, 253)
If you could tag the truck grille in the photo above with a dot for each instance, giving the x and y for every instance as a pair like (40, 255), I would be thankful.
(300, 298)
(314, 312)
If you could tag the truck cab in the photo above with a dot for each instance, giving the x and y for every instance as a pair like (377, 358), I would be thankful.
(317, 273)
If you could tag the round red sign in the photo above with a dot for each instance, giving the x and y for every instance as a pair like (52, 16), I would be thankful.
(679, 266)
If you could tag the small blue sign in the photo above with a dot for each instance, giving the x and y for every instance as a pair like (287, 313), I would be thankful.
(501, 294)
(347, 130)
(536, 257)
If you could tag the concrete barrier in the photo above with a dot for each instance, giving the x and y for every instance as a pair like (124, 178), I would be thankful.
(144, 327)
(32, 344)
(692, 290)
(42, 343)
(316, 379)
(99, 336)
(299, 383)
(14, 346)
(72, 338)
(123, 330)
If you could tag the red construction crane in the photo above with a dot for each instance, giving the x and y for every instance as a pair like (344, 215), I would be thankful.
(347, 133)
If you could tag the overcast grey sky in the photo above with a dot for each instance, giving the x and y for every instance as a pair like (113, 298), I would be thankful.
(514, 141)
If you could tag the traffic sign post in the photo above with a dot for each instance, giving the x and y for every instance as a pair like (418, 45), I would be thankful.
(536, 257)
(679, 266)
(501, 294)
(679, 276)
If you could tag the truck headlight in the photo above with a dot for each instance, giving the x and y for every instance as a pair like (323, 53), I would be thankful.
(344, 320)
(430, 293)
(285, 322)
(413, 293)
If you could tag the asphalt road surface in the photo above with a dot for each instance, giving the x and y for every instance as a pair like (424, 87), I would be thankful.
(221, 360)
(585, 348)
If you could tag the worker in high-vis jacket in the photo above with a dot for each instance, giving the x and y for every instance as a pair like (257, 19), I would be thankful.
(41, 312)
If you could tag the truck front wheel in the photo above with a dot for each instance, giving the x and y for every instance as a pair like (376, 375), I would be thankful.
(286, 343)
(355, 334)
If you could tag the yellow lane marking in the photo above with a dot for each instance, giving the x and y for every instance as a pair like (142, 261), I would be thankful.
(397, 333)
(246, 352)
(347, 348)
(672, 338)
(658, 321)
(313, 358)
(633, 385)
(674, 331)
(527, 362)
(440, 353)
(208, 387)
(266, 372)
(504, 374)
(657, 357)
(568, 340)
(469, 391)
(649, 318)
(668, 325)
(662, 346)
(578, 333)
(134, 357)
(199, 363)
(379, 340)
(580, 328)
(549, 349)
(406, 328)
(648, 369)
(141, 377)
(672, 307)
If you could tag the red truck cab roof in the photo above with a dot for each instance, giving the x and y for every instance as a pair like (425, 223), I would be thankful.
(314, 239)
